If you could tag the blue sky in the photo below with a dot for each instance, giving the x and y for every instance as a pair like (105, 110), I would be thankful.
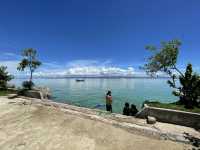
(97, 33)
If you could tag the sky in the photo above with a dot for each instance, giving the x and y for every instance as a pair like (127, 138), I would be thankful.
(96, 36)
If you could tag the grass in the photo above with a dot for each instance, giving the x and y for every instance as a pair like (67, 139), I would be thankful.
(6, 92)
(173, 106)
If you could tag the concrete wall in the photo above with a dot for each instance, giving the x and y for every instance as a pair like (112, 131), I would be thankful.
(39, 93)
(33, 94)
(171, 116)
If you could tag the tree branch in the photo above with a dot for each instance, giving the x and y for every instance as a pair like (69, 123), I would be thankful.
(174, 67)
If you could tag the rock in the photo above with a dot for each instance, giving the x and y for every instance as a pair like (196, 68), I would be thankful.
(193, 140)
(45, 92)
(151, 120)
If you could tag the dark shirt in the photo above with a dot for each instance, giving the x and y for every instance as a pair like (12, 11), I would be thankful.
(126, 111)
(133, 111)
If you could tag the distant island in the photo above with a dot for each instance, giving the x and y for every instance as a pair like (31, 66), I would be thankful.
(91, 76)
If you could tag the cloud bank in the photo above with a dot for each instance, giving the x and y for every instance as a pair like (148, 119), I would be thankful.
(88, 68)
(88, 71)
(82, 68)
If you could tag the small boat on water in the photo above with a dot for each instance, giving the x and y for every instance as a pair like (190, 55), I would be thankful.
(80, 80)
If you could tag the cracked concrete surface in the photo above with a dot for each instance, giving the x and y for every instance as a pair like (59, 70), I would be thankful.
(46, 127)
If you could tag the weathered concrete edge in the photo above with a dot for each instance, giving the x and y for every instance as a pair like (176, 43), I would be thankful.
(147, 106)
(178, 117)
(92, 114)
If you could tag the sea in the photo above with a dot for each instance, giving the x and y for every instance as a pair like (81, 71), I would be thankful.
(91, 92)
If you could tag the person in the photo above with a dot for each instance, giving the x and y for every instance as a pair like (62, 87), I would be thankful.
(133, 110)
(126, 110)
(109, 101)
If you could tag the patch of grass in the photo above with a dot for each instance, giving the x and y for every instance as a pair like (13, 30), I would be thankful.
(6, 92)
(173, 106)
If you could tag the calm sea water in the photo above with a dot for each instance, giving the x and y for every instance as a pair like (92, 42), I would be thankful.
(92, 92)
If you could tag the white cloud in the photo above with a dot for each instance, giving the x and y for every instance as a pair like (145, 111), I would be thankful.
(12, 67)
(83, 68)
(74, 68)
(9, 56)
(81, 63)
(93, 70)
(87, 71)
(51, 65)
(11, 61)
(88, 62)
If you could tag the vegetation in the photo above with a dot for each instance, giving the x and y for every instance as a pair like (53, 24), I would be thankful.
(174, 106)
(189, 91)
(6, 92)
(164, 59)
(28, 85)
(29, 61)
(4, 78)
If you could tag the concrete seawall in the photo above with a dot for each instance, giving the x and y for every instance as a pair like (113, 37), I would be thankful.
(171, 116)
(31, 124)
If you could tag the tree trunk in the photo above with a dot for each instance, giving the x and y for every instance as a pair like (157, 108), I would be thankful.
(31, 76)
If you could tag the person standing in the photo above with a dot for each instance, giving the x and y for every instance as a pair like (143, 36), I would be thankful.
(109, 101)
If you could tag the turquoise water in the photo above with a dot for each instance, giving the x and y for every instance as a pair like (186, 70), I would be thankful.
(92, 92)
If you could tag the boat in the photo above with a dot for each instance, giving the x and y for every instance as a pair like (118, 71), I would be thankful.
(80, 80)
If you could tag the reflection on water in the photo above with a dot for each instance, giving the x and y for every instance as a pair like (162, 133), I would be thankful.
(92, 91)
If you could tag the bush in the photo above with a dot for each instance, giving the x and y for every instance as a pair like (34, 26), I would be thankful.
(5, 77)
(189, 90)
(28, 85)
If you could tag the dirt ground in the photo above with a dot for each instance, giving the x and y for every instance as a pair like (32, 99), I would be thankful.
(38, 127)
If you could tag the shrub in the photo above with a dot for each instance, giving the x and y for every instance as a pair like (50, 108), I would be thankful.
(28, 85)
(4, 77)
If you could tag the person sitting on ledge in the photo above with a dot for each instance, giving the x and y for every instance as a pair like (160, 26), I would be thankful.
(133, 110)
(126, 110)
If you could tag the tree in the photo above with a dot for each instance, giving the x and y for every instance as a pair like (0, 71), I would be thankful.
(164, 59)
(189, 91)
(4, 77)
(29, 61)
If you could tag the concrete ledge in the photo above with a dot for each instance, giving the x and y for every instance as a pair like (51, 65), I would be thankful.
(38, 93)
(33, 94)
(131, 124)
(171, 116)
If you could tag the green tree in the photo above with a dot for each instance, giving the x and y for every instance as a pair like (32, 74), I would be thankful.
(189, 91)
(4, 77)
(29, 61)
(164, 59)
